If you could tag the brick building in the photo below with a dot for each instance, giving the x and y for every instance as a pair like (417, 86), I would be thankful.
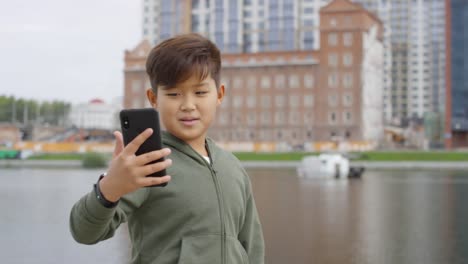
(296, 97)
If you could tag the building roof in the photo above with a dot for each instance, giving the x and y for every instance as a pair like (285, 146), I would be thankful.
(96, 101)
(347, 6)
(141, 50)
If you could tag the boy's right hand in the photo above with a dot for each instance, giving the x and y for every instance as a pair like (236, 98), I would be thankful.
(127, 172)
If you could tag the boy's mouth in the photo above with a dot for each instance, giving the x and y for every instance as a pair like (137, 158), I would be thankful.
(189, 121)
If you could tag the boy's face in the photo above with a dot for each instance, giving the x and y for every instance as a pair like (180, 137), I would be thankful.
(188, 109)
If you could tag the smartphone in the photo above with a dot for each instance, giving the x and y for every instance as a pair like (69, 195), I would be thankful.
(133, 122)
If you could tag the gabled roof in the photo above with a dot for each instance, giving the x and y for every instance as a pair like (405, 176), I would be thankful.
(141, 50)
(347, 5)
(341, 5)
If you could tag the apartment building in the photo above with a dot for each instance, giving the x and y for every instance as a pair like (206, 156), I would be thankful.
(297, 96)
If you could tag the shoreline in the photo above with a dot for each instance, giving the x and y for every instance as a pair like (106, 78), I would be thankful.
(77, 164)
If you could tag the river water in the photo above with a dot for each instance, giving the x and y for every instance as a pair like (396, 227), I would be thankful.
(384, 217)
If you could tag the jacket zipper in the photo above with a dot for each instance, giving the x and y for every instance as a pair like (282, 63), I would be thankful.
(220, 205)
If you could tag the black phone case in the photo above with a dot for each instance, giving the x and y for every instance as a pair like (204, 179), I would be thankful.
(138, 120)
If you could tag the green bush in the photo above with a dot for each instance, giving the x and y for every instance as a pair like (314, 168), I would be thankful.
(94, 160)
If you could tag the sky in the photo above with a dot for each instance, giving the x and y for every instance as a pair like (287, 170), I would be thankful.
(66, 50)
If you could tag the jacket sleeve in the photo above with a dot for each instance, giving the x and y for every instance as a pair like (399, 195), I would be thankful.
(91, 222)
(251, 235)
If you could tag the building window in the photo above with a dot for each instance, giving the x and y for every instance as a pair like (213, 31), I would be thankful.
(237, 103)
(280, 81)
(347, 39)
(347, 134)
(293, 118)
(347, 59)
(237, 82)
(347, 99)
(308, 81)
(251, 119)
(332, 100)
(251, 101)
(279, 101)
(308, 100)
(347, 117)
(279, 135)
(333, 79)
(236, 118)
(225, 81)
(266, 101)
(332, 39)
(265, 83)
(332, 60)
(223, 119)
(347, 80)
(136, 86)
(279, 118)
(293, 101)
(136, 102)
(266, 118)
(332, 118)
(293, 81)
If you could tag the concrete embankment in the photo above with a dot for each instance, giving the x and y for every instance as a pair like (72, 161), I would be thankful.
(41, 164)
(449, 165)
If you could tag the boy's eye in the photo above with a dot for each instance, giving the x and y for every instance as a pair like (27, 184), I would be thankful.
(201, 92)
(172, 94)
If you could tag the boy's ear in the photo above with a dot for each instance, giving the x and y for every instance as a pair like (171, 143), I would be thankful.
(220, 94)
(152, 98)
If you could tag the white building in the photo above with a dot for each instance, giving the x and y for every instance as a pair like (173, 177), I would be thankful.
(96, 114)
(237, 26)
(414, 78)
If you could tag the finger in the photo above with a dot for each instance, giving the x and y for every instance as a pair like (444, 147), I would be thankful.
(148, 181)
(133, 146)
(119, 144)
(154, 167)
(152, 156)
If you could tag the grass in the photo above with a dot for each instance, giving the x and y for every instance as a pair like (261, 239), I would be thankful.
(364, 156)
(296, 156)
(94, 160)
(58, 156)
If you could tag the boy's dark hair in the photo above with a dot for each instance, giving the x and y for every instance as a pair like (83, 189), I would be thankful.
(176, 59)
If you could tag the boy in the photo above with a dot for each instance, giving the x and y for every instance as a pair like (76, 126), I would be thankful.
(206, 213)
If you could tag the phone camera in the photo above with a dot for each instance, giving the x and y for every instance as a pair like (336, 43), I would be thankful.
(126, 123)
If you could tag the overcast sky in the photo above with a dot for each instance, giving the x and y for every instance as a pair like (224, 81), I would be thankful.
(70, 50)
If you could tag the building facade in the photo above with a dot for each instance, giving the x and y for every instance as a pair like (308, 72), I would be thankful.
(294, 97)
(95, 114)
(456, 129)
(414, 43)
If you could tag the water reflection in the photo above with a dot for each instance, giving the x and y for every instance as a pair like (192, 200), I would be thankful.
(385, 217)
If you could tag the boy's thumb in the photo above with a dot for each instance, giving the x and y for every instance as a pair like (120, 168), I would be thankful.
(119, 145)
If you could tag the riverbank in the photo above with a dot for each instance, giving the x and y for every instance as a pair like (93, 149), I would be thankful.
(297, 156)
(380, 165)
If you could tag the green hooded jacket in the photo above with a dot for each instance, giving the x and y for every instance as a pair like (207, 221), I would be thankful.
(206, 213)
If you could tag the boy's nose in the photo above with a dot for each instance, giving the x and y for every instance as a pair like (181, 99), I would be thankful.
(187, 104)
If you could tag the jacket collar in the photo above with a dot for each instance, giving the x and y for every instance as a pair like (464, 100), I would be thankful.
(182, 146)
